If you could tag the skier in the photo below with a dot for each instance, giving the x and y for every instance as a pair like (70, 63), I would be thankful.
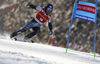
(41, 17)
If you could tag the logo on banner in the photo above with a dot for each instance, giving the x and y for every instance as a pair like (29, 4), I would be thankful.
(86, 8)
(84, 17)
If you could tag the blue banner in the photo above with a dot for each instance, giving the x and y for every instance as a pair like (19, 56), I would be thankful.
(85, 11)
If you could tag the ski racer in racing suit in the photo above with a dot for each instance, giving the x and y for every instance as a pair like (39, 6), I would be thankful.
(41, 17)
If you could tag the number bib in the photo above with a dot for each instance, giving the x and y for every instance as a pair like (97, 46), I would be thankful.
(41, 17)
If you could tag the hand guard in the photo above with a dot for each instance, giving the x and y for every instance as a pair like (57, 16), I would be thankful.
(51, 32)
(27, 5)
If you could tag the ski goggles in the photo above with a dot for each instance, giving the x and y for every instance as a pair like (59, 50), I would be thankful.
(49, 9)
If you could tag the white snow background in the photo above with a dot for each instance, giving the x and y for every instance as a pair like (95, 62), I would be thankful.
(16, 52)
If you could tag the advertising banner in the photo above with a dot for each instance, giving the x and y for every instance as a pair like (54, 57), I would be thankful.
(85, 11)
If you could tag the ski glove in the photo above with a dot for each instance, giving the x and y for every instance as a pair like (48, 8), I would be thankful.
(27, 5)
(51, 32)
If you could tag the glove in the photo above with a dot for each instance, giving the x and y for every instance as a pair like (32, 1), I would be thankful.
(51, 32)
(27, 5)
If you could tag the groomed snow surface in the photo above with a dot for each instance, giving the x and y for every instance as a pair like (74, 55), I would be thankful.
(16, 52)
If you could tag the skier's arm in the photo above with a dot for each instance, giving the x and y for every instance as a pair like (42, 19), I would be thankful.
(35, 7)
(32, 6)
(50, 25)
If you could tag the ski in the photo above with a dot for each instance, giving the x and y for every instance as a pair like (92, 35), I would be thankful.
(16, 39)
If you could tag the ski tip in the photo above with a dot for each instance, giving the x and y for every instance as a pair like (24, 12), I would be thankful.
(15, 39)
(31, 41)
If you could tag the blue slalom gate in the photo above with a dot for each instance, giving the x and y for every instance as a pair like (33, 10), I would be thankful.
(86, 11)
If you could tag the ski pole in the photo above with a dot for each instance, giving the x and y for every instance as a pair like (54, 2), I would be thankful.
(48, 40)
(10, 8)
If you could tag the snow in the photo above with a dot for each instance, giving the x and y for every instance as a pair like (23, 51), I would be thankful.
(16, 52)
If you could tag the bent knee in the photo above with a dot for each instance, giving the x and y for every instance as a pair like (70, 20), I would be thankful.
(37, 31)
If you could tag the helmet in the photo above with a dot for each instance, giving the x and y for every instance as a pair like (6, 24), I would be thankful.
(48, 6)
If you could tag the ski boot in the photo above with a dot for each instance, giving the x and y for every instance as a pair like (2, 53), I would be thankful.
(13, 34)
(31, 41)
(25, 39)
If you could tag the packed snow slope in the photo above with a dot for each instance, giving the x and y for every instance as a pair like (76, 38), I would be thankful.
(16, 52)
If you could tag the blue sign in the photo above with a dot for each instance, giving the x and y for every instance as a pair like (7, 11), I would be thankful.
(85, 11)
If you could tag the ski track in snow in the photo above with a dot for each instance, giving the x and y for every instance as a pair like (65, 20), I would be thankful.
(19, 58)
(15, 52)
